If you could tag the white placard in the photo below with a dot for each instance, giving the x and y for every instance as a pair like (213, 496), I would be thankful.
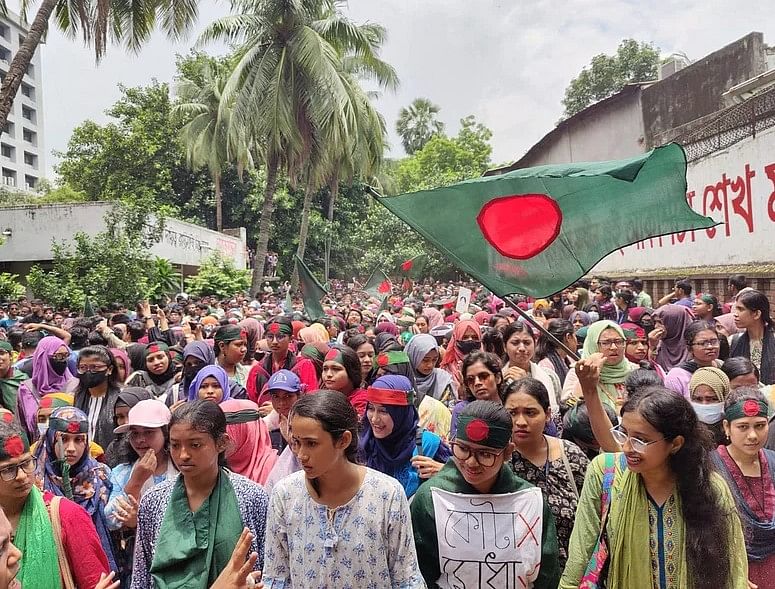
(489, 540)
(463, 299)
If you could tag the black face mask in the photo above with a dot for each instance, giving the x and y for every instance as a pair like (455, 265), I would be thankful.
(90, 380)
(468, 346)
(190, 372)
(58, 366)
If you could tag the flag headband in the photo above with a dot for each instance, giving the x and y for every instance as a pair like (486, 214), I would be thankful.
(395, 357)
(13, 447)
(335, 355)
(242, 416)
(477, 430)
(68, 426)
(746, 408)
(389, 397)
(280, 328)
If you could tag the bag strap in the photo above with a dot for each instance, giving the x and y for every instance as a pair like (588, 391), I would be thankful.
(418, 440)
(568, 470)
(56, 525)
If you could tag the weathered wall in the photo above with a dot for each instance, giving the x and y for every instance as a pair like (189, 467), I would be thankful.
(34, 228)
(696, 90)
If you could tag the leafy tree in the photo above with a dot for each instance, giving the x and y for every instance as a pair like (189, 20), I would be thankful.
(10, 287)
(607, 74)
(289, 84)
(417, 124)
(218, 276)
(105, 268)
(164, 280)
(123, 22)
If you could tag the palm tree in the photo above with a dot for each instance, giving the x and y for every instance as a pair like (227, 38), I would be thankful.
(123, 22)
(417, 123)
(287, 84)
(205, 131)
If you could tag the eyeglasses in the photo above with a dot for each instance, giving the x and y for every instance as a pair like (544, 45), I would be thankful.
(278, 336)
(639, 446)
(9, 473)
(708, 343)
(483, 457)
(483, 376)
(84, 368)
(61, 357)
(611, 343)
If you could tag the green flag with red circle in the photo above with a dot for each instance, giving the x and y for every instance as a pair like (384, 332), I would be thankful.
(378, 285)
(537, 230)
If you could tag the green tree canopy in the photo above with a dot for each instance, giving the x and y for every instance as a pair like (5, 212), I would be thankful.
(417, 124)
(607, 74)
(218, 276)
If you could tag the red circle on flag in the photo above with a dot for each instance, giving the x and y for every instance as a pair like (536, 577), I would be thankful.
(751, 408)
(14, 446)
(477, 430)
(520, 226)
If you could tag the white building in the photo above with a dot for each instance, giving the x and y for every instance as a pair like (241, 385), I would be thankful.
(21, 142)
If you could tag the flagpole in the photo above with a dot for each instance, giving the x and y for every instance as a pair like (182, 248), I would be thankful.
(540, 328)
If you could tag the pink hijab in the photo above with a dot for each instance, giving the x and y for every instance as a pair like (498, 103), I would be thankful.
(434, 317)
(252, 455)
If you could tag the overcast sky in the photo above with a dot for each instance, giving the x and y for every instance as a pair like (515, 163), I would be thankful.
(505, 61)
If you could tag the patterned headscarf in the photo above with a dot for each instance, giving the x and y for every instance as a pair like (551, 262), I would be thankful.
(712, 377)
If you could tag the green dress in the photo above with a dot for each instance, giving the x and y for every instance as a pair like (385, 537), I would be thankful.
(450, 479)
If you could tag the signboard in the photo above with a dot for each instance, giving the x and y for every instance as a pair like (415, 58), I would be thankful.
(488, 540)
(463, 299)
(735, 186)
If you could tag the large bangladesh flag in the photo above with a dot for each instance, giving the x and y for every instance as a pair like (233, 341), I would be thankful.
(378, 285)
(537, 230)
(311, 291)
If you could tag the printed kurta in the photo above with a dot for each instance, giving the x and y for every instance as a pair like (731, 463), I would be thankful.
(364, 544)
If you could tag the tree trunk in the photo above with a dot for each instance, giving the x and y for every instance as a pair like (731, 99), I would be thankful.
(218, 203)
(23, 58)
(265, 224)
(303, 229)
(330, 216)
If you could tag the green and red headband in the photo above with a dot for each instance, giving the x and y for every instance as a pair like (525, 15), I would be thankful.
(747, 408)
(389, 397)
(242, 416)
(389, 358)
(68, 426)
(230, 333)
(281, 328)
(154, 347)
(335, 355)
(14, 445)
(477, 430)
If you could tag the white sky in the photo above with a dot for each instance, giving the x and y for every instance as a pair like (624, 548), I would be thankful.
(505, 61)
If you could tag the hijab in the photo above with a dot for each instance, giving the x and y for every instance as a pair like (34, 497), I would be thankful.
(316, 352)
(219, 374)
(453, 355)
(728, 322)
(311, 335)
(438, 380)
(167, 375)
(386, 342)
(609, 374)
(203, 352)
(255, 332)
(393, 452)
(386, 327)
(583, 315)
(44, 378)
(121, 356)
(672, 350)
(434, 317)
(252, 454)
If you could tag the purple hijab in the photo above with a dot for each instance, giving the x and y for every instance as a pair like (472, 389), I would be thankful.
(218, 373)
(44, 381)
(672, 351)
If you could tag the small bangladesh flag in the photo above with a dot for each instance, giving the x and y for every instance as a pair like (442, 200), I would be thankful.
(311, 291)
(413, 268)
(537, 230)
(378, 285)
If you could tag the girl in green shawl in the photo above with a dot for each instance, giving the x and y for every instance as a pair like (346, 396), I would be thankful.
(607, 338)
(671, 521)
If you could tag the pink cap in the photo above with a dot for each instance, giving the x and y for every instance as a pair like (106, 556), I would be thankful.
(148, 413)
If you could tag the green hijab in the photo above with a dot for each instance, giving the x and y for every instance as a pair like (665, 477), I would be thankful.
(39, 568)
(609, 374)
(193, 548)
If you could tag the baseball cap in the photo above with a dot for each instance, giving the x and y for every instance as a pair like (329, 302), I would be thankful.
(148, 413)
(284, 380)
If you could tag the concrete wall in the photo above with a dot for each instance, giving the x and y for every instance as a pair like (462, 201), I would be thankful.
(696, 91)
(587, 137)
(34, 228)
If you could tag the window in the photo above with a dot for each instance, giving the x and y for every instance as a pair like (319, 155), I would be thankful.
(9, 177)
(5, 55)
(28, 91)
(31, 71)
(30, 182)
(28, 113)
(30, 159)
(8, 129)
(30, 137)
(21, 40)
(7, 151)
(5, 32)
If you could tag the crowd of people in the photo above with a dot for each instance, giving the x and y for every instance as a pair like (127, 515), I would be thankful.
(208, 443)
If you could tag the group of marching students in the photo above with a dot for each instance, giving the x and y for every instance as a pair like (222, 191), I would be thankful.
(269, 450)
